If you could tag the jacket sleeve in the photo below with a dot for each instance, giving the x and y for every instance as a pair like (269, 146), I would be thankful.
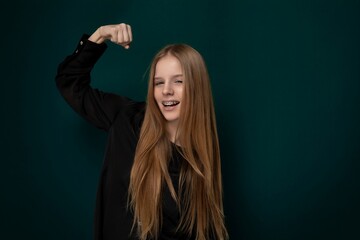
(73, 82)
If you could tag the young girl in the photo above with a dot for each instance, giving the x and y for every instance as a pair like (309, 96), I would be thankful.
(161, 176)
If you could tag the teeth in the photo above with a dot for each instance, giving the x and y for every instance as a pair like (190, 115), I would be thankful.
(170, 103)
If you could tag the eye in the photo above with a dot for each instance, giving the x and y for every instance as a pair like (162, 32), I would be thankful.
(157, 83)
(178, 81)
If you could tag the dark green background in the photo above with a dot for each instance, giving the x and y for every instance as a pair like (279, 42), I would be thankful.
(286, 82)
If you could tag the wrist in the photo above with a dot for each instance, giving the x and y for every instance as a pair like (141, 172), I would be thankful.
(96, 37)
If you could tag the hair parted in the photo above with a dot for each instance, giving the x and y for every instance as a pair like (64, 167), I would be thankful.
(200, 183)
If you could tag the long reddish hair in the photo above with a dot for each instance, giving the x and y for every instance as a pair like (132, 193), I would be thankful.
(200, 183)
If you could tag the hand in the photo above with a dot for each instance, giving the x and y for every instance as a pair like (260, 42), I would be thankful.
(118, 33)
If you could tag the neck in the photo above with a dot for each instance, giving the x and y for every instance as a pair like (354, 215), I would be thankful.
(172, 130)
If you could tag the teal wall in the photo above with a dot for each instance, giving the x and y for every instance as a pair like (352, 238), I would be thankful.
(286, 82)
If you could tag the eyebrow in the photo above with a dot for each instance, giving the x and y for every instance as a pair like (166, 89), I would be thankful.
(175, 76)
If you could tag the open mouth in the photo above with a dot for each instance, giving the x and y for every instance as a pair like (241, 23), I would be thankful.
(170, 103)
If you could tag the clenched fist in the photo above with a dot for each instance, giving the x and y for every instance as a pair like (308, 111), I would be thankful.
(118, 33)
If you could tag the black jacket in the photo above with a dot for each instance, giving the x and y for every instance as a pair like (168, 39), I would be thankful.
(121, 118)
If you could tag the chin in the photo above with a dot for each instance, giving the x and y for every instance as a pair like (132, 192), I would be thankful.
(170, 118)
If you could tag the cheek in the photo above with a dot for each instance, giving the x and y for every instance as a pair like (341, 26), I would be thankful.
(182, 92)
(158, 99)
(156, 95)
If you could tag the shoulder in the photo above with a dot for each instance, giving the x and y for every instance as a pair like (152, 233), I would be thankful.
(131, 113)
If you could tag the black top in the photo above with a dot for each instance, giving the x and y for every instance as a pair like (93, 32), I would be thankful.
(122, 119)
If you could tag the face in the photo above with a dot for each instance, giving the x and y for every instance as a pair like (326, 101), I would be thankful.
(168, 88)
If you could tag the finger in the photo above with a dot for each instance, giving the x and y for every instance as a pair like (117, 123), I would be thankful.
(114, 36)
(129, 32)
(126, 45)
(120, 37)
(126, 36)
(113, 32)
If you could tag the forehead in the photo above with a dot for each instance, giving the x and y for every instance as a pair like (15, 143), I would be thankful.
(168, 66)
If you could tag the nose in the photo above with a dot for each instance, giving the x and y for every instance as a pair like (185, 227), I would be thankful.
(168, 90)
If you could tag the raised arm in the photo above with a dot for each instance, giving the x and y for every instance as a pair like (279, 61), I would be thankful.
(73, 77)
(120, 34)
